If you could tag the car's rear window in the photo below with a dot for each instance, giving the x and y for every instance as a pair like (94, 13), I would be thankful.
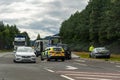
(101, 49)
(57, 49)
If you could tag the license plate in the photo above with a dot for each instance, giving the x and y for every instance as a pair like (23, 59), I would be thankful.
(26, 59)
(57, 52)
(58, 55)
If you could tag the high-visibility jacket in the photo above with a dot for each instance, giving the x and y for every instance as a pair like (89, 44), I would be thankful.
(91, 48)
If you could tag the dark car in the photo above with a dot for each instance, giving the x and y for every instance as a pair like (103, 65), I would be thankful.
(67, 51)
(100, 52)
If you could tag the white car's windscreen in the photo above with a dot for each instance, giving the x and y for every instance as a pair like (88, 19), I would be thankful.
(25, 50)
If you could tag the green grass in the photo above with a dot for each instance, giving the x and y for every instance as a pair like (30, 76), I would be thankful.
(114, 57)
(82, 54)
(2, 51)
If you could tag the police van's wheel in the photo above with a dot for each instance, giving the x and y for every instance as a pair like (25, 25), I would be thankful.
(56, 59)
(48, 59)
(63, 59)
(42, 59)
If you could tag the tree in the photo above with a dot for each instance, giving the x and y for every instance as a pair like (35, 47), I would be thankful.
(1, 35)
(1, 26)
(38, 37)
(116, 21)
(98, 23)
(7, 34)
(95, 19)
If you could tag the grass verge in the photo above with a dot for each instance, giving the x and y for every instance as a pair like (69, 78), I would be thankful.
(114, 57)
(2, 51)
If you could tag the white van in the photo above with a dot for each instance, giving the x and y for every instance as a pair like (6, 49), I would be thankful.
(40, 45)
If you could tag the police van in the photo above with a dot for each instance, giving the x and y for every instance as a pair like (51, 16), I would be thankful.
(39, 46)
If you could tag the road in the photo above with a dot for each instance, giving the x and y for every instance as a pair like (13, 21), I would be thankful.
(75, 69)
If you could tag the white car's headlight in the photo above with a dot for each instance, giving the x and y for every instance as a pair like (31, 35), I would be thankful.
(18, 55)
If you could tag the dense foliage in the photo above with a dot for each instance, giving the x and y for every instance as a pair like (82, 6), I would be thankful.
(97, 24)
(7, 34)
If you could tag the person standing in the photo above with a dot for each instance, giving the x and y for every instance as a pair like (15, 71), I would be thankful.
(90, 50)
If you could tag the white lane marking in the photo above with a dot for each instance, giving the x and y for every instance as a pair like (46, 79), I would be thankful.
(91, 78)
(71, 67)
(89, 73)
(112, 62)
(80, 60)
(81, 64)
(118, 63)
(107, 76)
(49, 70)
(117, 66)
(67, 77)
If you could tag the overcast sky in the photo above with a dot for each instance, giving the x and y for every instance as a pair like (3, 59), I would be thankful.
(39, 16)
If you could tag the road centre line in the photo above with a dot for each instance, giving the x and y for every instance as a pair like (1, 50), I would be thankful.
(49, 70)
(60, 75)
(67, 77)
(71, 67)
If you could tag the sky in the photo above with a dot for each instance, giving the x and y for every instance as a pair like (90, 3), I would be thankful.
(42, 17)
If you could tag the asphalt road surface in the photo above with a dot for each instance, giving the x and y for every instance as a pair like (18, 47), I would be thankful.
(75, 69)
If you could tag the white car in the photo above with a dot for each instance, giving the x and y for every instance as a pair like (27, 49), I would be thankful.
(24, 54)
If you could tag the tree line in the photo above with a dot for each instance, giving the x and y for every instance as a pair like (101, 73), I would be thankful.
(97, 24)
(7, 34)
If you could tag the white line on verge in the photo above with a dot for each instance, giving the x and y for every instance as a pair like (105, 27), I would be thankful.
(117, 66)
(67, 77)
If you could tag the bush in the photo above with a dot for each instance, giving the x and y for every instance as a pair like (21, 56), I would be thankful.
(79, 47)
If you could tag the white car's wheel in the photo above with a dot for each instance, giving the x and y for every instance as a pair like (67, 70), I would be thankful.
(14, 61)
